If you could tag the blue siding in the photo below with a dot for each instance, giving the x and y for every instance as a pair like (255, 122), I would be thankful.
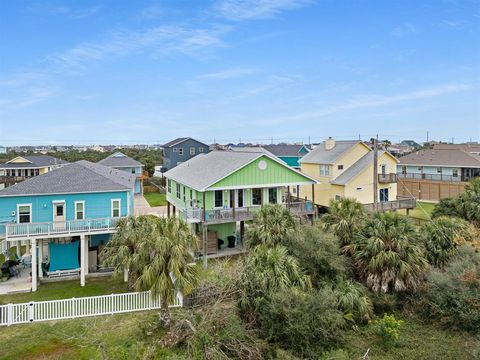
(173, 158)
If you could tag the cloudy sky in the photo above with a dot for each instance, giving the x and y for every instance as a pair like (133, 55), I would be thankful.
(125, 71)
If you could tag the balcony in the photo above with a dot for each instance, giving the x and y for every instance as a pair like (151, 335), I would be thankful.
(402, 202)
(387, 178)
(219, 216)
(24, 231)
(11, 180)
(431, 177)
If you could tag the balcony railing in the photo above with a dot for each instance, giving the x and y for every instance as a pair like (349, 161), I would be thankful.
(72, 227)
(216, 216)
(387, 178)
(402, 202)
(6, 179)
(433, 177)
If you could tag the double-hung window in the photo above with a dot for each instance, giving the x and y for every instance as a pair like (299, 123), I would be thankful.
(192, 151)
(169, 185)
(79, 210)
(324, 170)
(178, 191)
(116, 208)
(200, 149)
(24, 213)
(218, 198)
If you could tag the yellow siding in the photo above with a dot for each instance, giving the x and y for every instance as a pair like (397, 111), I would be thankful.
(348, 159)
(43, 171)
(18, 160)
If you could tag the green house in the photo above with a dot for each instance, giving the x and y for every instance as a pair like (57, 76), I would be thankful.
(221, 190)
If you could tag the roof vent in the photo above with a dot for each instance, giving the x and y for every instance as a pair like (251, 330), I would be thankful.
(329, 143)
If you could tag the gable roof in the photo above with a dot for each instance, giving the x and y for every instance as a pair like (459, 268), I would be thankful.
(319, 155)
(204, 170)
(441, 157)
(119, 159)
(285, 150)
(33, 161)
(468, 147)
(180, 140)
(79, 177)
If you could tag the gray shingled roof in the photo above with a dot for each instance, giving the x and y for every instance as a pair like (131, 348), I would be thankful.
(119, 159)
(203, 170)
(36, 161)
(284, 150)
(180, 140)
(348, 174)
(319, 155)
(469, 147)
(444, 157)
(80, 177)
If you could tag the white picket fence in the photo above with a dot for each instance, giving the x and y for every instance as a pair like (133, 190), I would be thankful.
(34, 311)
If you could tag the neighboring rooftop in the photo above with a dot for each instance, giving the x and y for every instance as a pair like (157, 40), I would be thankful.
(468, 147)
(32, 161)
(286, 150)
(350, 173)
(119, 159)
(443, 157)
(79, 177)
(329, 151)
(179, 141)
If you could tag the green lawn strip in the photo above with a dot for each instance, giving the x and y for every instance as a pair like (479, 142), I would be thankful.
(69, 289)
(156, 199)
(419, 340)
(423, 210)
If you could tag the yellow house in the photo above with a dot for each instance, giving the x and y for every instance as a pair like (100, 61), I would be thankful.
(345, 169)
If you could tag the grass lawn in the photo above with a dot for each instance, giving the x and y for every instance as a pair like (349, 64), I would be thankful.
(156, 199)
(423, 210)
(68, 289)
(419, 340)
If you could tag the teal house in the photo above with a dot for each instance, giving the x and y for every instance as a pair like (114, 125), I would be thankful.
(123, 162)
(218, 194)
(65, 217)
(290, 154)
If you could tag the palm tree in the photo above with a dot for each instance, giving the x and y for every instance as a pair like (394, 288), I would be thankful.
(271, 225)
(161, 260)
(345, 218)
(387, 253)
(266, 270)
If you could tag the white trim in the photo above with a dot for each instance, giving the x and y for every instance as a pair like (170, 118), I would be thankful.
(57, 202)
(119, 207)
(18, 157)
(223, 199)
(75, 208)
(259, 186)
(18, 213)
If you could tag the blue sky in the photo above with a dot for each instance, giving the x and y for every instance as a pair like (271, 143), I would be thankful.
(123, 72)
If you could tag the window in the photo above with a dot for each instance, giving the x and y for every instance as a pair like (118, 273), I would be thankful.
(32, 172)
(240, 198)
(169, 186)
(420, 168)
(184, 199)
(324, 170)
(178, 191)
(133, 170)
(24, 213)
(192, 151)
(79, 210)
(455, 172)
(200, 149)
(404, 169)
(37, 172)
(338, 197)
(256, 196)
(59, 209)
(115, 208)
(294, 190)
(272, 195)
(358, 188)
(180, 151)
(218, 198)
(175, 149)
(340, 167)
(439, 170)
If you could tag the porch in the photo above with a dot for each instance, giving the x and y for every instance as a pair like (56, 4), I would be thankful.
(402, 202)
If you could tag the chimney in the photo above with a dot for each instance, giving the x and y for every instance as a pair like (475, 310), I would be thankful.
(329, 143)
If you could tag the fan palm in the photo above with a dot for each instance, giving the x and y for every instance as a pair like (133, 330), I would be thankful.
(160, 260)
(271, 225)
(387, 253)
(345, 218)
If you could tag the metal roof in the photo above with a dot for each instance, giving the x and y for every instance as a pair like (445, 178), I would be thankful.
(79, 177)
(119, 159)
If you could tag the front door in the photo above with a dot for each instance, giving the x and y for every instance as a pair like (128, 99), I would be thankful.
(240, 202)
(59, 215)
(383, 195)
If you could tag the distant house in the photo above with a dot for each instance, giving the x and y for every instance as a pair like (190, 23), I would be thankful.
(345, 169)
(122, 162)
(434, 174)
(26, 166)
(3, 149)
(291, 154)
(180, 150)
(411, 143)
(66, 216)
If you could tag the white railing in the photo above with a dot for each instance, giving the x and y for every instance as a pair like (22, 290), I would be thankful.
(26, 230)
(35, 311)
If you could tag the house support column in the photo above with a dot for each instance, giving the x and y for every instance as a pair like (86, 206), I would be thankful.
(82, 260)
(125, 275)
(242, 231)
(168, 209)
(205, 245)
(34, 264)
(313, 201)
(40, 258)
(19, 248)
(174, 210)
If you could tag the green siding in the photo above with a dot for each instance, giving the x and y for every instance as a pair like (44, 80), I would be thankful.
(275, 173)
(224, 230)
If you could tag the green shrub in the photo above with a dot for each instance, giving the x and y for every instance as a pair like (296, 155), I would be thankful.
(388, 328)
(354, 301)
(307, 323)
(319, 254)
(452, 295)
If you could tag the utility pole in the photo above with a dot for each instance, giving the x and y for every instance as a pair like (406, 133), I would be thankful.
(427, 136)
(375, 173)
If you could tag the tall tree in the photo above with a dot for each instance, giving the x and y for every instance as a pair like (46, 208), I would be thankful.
(160, 259)
(387, 253)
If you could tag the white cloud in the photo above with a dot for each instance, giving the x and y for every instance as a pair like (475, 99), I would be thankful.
(231, 73)
(239, 10)
(403, 30)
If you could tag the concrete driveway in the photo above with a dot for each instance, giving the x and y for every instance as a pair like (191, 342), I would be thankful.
(142, 207)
